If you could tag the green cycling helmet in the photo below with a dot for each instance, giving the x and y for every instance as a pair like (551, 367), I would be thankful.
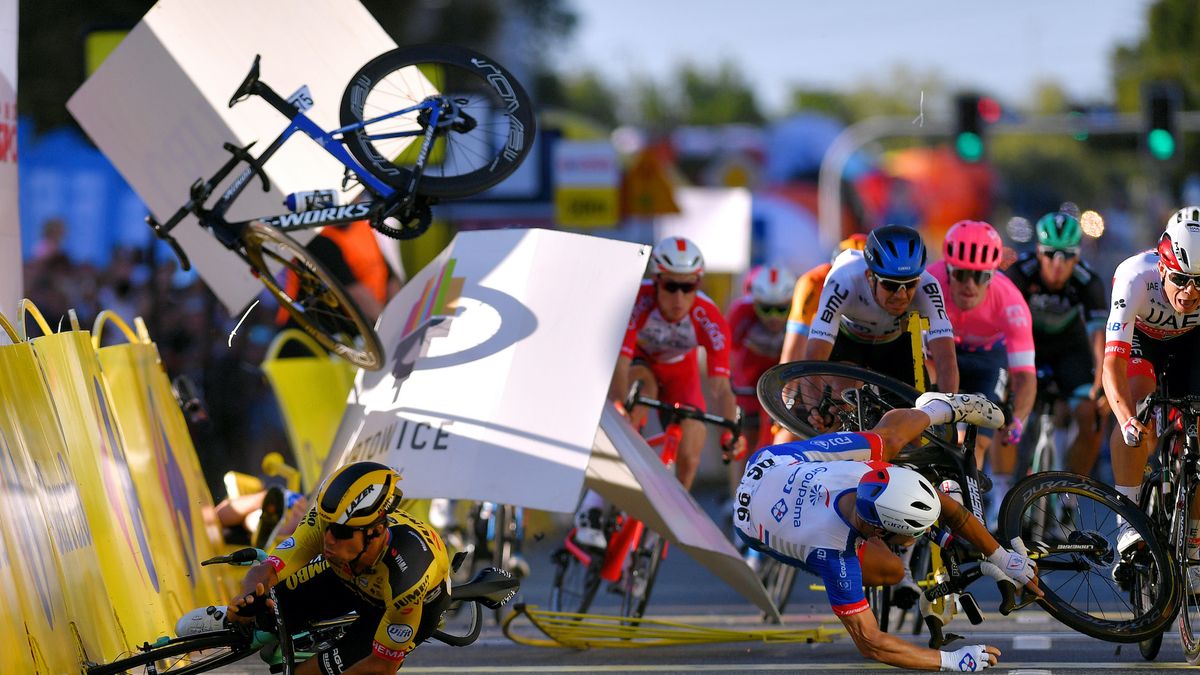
(1059, 230)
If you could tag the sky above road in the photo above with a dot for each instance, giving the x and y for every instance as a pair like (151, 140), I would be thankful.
(1003, 48)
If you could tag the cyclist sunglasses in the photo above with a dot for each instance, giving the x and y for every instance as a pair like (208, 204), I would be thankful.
(340, 531)
(894, 285)
(981, 277)
(1180, 280)
(772, 311)
(678, 287)
(1052, 253)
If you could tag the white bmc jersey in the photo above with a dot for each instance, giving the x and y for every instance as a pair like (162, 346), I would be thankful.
(847, 302)
(1138, 302)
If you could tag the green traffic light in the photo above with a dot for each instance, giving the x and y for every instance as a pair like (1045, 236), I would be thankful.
(1161, 144)
(969, 146)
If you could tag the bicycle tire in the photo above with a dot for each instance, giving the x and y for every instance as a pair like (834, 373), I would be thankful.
(1103, 502)
(778, 579)
(575, 584)
(1189, 602)
(321, 306)
(646, 563)
(781, 387)
(1150, 502)
(235, 647)
(457, 166)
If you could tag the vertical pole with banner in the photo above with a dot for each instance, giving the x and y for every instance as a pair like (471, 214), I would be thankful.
(10, 223)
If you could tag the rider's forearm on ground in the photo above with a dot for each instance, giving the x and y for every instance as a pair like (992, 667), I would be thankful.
(1116, 388)
(941, 352)
(874, 644)
(1024, 393)
(961, 522)
(793, 347)
(619, 387)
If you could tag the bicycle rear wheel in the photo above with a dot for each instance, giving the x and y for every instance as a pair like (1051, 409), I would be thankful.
(778, 578)
(1076, 567)
(643, 570)
(575, 583)
(1146, 579)
(179, 656)
(484, 138)
(789, 392)
(1189, 608)
(311, 295)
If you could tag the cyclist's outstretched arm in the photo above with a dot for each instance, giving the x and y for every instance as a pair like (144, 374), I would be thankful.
(619, 388)
(258, 580)
(941, 351)
(875, 644)
(817, 350)
(964, 524)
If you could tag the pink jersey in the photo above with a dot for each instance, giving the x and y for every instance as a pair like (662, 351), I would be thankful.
(652, 337)
(1003, 316)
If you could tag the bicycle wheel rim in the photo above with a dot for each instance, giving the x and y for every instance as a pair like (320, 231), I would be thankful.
(778, 579)
(653, 556)
(460, 161)
(1079, 587)
(575, 584)
(321, 306)
(1145, 581)
(1189, 608)
(789, 391)
(180, 656)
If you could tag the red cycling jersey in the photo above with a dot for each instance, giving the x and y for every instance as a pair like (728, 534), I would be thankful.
(755, 348)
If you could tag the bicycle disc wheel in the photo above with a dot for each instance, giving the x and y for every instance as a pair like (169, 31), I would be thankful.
(1078, 564)
(318, 302)
(643, 570)
(1146, 579)
(575, 583)
(848, 397)
(487, 132)
(191, 654)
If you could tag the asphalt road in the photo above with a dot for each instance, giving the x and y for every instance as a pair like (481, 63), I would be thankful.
(1030, 641)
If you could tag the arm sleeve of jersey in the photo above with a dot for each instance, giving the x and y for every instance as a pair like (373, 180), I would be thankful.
(931, 304)
(629, 344)
(294, 552)
(842, 575)
(741, 317)
(1018, 328)
(1128, 294)
(1095, 305)
(828, 315)
(718, 347)
(804, 304)
(851, 446)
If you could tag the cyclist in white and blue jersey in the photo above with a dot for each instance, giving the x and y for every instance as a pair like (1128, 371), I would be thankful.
(832, 505)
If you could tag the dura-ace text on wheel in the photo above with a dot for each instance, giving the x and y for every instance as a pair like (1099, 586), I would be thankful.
(486, 124)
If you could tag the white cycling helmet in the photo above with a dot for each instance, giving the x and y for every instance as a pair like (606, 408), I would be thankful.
(773, 285)
(677, 255)
(897, 499)
(1179, 247)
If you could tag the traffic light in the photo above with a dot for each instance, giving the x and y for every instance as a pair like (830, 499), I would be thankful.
(1161, 101)
(972, 113)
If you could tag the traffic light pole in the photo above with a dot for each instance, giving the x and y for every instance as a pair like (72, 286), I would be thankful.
(855, 136)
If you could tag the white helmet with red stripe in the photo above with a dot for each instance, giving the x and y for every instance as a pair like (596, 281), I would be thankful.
(677, 255)
(1179, 248)
(772, 285)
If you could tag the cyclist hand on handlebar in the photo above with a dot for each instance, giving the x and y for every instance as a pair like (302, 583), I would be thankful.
(244, 608)
(1013, 566)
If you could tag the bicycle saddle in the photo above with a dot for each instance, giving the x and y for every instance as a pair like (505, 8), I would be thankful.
(491, 587)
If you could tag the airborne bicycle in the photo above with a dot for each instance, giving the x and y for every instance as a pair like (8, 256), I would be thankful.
(419, 124)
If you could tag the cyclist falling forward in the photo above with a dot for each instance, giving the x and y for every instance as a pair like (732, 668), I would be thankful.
(832, 506)
(1150, 334)
(354, 551)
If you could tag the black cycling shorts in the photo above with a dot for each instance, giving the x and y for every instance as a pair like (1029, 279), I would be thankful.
(893, 358)
(1176, 358)
(984, 372)
(1068, 357)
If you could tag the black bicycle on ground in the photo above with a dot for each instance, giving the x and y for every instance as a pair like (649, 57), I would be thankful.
(419, 124)
(284, 648)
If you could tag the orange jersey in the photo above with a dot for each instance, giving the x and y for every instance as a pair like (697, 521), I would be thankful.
(805, 299)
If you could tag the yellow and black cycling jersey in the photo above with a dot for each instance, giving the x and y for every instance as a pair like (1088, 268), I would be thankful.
(412, 572)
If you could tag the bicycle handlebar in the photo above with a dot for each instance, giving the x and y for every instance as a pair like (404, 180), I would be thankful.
(243, 557)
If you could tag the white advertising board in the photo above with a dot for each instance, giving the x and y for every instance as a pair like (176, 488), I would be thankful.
(717, 220)
(10, 221)
(158, 107)
(499, 357)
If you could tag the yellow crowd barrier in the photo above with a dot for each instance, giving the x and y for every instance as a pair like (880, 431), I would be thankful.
(156, 447)
(61, 606)
(311, 392)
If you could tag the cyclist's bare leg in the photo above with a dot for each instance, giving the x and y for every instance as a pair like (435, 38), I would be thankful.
(982, 445)
(649, 389)
(1129, 463)
(687, 461)
(898, 428)
(1085, 449)
(1004, 459)
(880, 567)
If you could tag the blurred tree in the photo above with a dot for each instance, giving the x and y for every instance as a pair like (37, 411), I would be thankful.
(1168, 51)
(586, 94)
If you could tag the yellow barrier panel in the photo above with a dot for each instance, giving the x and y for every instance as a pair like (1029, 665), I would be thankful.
(97, 461)
(174, 526)
(311, 391)
(14, 652)
(54, 560)
(584, 631)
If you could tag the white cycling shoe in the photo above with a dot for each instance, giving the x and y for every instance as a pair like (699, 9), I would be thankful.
(970, 408)
(202, 620)
(1127, 538)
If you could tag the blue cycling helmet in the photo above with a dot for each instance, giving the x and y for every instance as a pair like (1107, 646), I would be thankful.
(895, 252)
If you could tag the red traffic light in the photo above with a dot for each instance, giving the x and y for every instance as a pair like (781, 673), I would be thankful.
(989, 109)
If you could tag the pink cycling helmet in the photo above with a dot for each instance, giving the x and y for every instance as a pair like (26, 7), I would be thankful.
(973, 245)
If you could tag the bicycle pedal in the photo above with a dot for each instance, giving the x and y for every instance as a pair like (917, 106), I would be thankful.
(951, 637)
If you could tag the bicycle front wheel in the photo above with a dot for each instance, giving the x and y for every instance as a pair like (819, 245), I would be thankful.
(778, 578)
(179, 656)
(846, 397)
(311, 295)
(1147, 578)
(575, 583)
(1079, 568)
(486, 129)
(643, 570)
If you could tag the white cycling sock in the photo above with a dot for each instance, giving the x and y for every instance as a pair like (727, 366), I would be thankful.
(939, 411)
(1130, 492)
(591, 500)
